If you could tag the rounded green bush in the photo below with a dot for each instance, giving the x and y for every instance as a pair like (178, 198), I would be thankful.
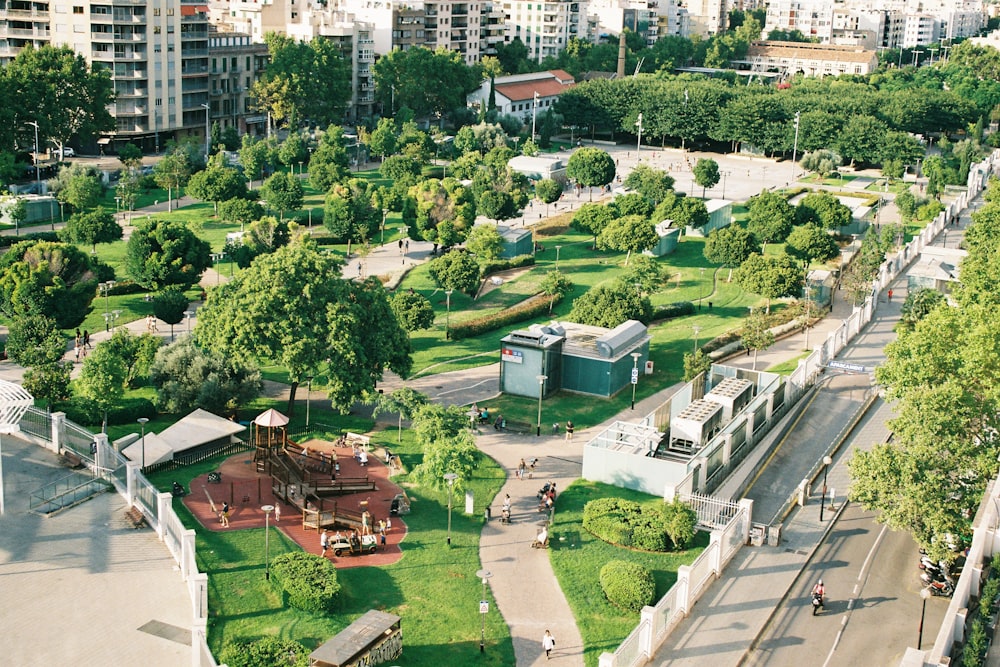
(629, 586)
(264, 652)
(629, 524)
(310, 581)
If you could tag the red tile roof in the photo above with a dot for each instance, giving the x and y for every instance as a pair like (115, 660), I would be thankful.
(524, 91)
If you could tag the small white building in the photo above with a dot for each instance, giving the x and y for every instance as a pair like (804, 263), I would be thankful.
(538, 167)
(519, 94)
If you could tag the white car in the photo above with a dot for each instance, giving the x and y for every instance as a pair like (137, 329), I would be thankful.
(68, 152)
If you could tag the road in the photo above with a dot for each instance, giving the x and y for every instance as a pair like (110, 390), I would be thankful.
(873, 601)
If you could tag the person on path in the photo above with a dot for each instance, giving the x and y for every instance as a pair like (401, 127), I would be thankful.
(521, 467)
(224, 515)
(890, 295)
(324, 542)
(86, 339)
(569, 430)
(548, 643)
(277, 512)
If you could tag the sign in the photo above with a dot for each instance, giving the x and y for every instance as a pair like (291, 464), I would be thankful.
(635, 376)
(513, 356)
(841, 365)
(484, 607)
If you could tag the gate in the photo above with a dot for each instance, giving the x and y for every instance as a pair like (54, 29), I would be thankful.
(713, 513)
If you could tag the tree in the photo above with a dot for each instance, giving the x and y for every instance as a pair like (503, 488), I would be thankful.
(291, 307)
(16, 211)
(632, 233)
(403, 402)
(631, 203)
(495, 205)
(160, 253)
(282, 191)
(186, 377)
(485, 242)
(687, 212)
(102, 380)
(329, 162)
(548, 191)
(264, 236)
(906, 204)
(172, 172)
(481, 138)
(242, 211)
(591, 167)
(49, 382)
(652, 183)
(442, 212)
(383, 138)
(706, 174)
(812, 244)
(556, 284)
(770, 277)
(423, 80)
(824, 209)
(293, 151)
(730, 246)
(592, 218)
(695, 363)
(918, 304)
(97, 226)
(135, 352)
(43, 278)
(413, 310)
(255, 154)
(169, 306)
(130, 156)
(34, 340)
(862, 138)
(217, 184)
(456, 270)
(402, 169)
(757, 334)
(81, 190)
(771, 217)
(448, 447)
(610, 305)
(644, 272)
(821, 161)
(350, 213)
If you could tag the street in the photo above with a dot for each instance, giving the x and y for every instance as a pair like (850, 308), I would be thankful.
(873, 601)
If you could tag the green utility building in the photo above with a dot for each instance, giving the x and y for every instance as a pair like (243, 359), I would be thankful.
(575, 357)
(515, 242)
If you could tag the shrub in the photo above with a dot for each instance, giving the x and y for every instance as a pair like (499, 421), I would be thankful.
(629, 586)
(680, 522)
(8, 241)
(672, 310)
(497, 265)
(125, 287)
(625, 523)
(527, 309)
(87, 413)
(989, 595)
(649, 538)
(265, 652)
(310, 581)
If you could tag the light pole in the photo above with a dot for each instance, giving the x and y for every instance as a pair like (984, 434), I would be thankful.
(822, 501)
(450, 477)
(697, 330)
(187, 316)
(795, 144)
(638, 143)
(724, 174)
(447, 317)
(38, 178)
(557, 255)
(106, 288)
(924, 594)
(208, 130)
(217, 257)
(114, 315)
(534, 106)
(142, 425)
(267, 544)
(309, 387)
(635, 374)
(541, 387)
(701, 289)
(484, 608)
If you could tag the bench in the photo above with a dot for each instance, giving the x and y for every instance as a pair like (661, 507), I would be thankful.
(357, 439)
(523, 428)
(135, 517)
(70, 459)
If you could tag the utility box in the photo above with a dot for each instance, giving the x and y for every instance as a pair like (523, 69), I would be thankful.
(695, 426)
(732, 394)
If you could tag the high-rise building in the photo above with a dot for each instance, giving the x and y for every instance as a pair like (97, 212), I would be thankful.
(652, 19)
(544, 27)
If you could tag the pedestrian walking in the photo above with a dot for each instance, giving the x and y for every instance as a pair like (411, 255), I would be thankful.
(569, 430)
(521, 467)
(76, 348)
(890, 295)
(86, 339)
(324, 542)
(277, 512)
(548, 643)
(224, 515)
(406, 245)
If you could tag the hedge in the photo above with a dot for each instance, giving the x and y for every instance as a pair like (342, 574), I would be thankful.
(526, 310)
(310, 581)
(87, 413)
(8, 241)
(672, 310)
(629, 524)
(497, 265)
(629, 586)
(265, 652)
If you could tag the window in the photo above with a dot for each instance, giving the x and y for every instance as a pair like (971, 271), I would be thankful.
(170, 28)
(156, 30)
(170, 11)
(77, 9)
(156, 11)
(159, 101)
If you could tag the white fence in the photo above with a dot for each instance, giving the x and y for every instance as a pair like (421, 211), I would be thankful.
(54, 432)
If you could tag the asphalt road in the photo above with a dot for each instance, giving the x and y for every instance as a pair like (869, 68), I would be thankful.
(873, 601)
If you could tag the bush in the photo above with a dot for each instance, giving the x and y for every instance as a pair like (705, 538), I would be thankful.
(680, 522)
(628, 524)
(87, 413)
(264, 652)
(629, 586)
(497, 265)
(8, 241)
(527, 309)
(125, 287)
(310, 581)
(672, 310)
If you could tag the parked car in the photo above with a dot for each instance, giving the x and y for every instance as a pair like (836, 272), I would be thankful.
(354, 547)
(68, 152)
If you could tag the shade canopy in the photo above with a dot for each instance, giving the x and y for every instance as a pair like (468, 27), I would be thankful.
(271, 419)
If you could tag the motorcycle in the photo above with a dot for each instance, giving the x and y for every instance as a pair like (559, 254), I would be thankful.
(817, 602)
(941, 588)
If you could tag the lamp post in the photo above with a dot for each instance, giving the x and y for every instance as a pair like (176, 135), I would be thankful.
(700, 288)
(450, 477)
(724, 174)
(187, 316)
(924, 594)
(447, 317)
(38, 178)
(697, 330)
(795, 144)
(208, 130)
(534, 106)
(638, 142)
(217, 257)
(484, 608)
(267, 545)
(635, 374)
(557, 255)
(541, 387)
(106, 288)
(114, 316)
(309, 387)
(822, 501)
(142, 425)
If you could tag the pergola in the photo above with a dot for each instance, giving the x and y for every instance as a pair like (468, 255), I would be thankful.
(14, 402)
(275, 424)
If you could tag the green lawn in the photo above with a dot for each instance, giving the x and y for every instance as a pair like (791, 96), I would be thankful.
(577, 558)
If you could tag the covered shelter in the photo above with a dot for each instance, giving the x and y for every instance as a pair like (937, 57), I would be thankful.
(190, 439)
(373, 639)
(275, 426)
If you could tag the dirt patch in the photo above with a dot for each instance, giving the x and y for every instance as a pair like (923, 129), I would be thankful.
(504, 276)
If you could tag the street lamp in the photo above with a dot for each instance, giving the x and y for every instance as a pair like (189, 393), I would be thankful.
(557, 255)
(541, 386)
(106, 288)
(142, 425)
(700, 287)
(447, 317)
(309, 387)
(697, 330)
(795, 144)
(635, 374)
(822, 501)
(724, 174)
(267, 545)
(187, 316)
(534, 106)
(450, 477)
(217, 257)
(38, 177)
(114, 315)
(924, 594)
(208, 130)
(638, 143)
(484, 607)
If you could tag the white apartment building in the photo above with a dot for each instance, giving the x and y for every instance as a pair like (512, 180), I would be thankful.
(652, 19)
(544, 27)
(708, 17)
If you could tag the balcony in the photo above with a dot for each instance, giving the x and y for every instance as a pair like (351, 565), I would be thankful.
(129, 37)
(24, 32)
(23, 15)
(99, 36)
(130, 75)
(133, 19)
(130, 110)
(135, 92)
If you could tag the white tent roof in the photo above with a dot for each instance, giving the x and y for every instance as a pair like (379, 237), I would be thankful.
(271, 418)
(198, 428)
(157, 450)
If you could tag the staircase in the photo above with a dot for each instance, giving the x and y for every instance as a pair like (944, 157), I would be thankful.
(68, 491)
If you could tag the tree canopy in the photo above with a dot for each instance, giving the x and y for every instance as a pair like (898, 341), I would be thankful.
(91, 228)
(730, 246)
(43, 278)
(160, 253)
(187, 377)
(424, 81)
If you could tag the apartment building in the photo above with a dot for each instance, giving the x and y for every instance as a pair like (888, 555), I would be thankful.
(236, 62)
(22, 23)
(708, 17)
(652, 19)
(809, 59)
(544, 27)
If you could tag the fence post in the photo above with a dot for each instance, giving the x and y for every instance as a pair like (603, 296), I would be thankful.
(606, 660)
(57, 427)
(802, 492)
(198, 640)
(746, 505)
(647, 638)
(187, 554)
(684, 588)
(132, 468)
(163, 506)
(100, 456)
(715, 552)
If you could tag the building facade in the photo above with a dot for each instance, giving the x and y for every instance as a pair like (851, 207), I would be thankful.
(544, 27)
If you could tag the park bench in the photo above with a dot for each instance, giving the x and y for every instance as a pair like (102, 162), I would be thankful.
(70, 459)
(523, 428)
(352, 439)
(135, 517)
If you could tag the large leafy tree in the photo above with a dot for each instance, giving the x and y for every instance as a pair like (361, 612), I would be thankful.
(172, 172)
(441, 212)
(169, 306)
(34, 340)
(382, 141)
(770, 277)
(757, 334)
(242, 211)
(43, 278)
(413, 310)
(629, 234)
(135, 352)
(282, 191)
(217, 184)
(548, 191)
(329, 163)
(102, 380)
(56, 88)
(290, 307)
(811, 243)
(823, 209)
(160, 253)
(79, 186)
(610, 305)
(706, 174)
(862, 138)
(91, 228)
(424, 81)
(350, 212)
(592, 218)
(456, 270)
(484, 242)
(591, 167)
(730, 246)
(771, 217)
(255, 155)
(187, 377)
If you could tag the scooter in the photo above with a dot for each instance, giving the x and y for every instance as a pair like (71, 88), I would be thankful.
(817, 602)
(942, 589)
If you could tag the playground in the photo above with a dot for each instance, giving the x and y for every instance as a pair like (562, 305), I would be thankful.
(315, 485)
